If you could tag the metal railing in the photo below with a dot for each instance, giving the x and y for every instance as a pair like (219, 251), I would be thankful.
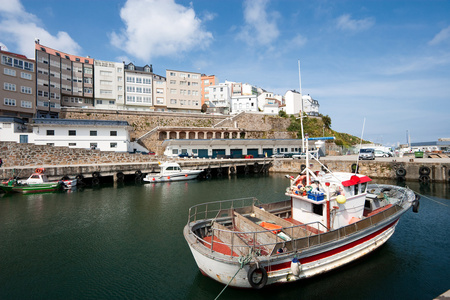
(242, 243)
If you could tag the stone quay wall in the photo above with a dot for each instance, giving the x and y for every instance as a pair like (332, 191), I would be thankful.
(254, 124)
(18, 155)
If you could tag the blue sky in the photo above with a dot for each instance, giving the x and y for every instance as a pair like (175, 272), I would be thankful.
(387, 62)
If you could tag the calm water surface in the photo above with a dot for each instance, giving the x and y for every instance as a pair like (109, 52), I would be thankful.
(126, 242)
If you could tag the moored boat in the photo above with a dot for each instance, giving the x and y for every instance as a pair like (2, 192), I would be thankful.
(329, 220)
(171, 171)
(36, 183)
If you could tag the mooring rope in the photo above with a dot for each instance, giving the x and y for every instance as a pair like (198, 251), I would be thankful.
(243, 260)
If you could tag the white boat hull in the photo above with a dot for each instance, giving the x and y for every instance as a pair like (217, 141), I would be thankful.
(185, 175)
(314, 261)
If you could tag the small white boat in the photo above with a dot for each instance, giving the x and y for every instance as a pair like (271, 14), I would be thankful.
(328, 220)
(69, 183)
(171, 171)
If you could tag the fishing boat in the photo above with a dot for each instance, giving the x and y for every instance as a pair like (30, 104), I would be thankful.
(326, 221)
(171, 171)
(37, 183)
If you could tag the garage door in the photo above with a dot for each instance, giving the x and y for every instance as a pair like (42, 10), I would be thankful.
(202, 152)
(269, 152)
(236, 153)
(253, 152)
(218, 152)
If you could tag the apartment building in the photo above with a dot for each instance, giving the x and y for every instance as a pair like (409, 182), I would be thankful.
(159, 93)
(62, 80)
(207, 81)
(109, 85)
(310, 106)
(183, 91)
(248, 103)
(220, 96)
(18, 92)
(139, 87)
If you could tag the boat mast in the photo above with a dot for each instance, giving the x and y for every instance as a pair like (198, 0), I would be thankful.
(301, 111)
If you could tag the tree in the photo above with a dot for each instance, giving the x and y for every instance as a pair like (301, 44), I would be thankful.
(204, 108)
(326, 121)
(282, 114)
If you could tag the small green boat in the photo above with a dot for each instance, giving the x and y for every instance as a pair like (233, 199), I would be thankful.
(36, 183)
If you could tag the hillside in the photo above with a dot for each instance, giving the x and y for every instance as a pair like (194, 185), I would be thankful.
(321, 126)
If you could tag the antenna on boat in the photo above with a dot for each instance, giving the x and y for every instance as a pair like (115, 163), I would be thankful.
(360, 144)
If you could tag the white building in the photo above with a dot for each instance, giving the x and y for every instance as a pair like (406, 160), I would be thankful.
(310, 106)
(159, 93)
(99, 134)
(220, 95)
(139, 87)
(13, 130)
(293, 102)
(109, 85)
(248, 89)
(248, 103)
(183, 91)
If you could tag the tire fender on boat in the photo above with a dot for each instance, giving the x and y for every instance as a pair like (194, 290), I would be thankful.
(416, 204)
(258, 284)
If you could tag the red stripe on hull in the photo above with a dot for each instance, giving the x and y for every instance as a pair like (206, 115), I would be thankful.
(323, 255)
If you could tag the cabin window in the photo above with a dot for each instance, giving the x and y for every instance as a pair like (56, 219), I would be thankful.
(175, 151)
(318, 209)
(50, 132)
(363, 187)
(355, 188)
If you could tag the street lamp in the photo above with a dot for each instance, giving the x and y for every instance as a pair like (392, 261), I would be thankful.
(48, 108)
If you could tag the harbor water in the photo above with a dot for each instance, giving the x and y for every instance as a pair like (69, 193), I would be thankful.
(126, 242)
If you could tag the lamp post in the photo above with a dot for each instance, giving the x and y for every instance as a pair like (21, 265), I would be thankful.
(49, 108)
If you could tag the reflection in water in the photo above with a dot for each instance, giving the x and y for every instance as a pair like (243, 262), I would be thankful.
(126, 241)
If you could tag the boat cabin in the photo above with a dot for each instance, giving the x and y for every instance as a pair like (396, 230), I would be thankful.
(347, 194)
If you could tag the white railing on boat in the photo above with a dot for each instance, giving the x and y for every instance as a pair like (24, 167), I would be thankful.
(203, 218)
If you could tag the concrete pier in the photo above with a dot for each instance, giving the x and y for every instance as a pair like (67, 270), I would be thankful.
(409, 169)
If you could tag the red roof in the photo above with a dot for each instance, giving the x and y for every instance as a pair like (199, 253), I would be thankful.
(354, 180)
(15, 54)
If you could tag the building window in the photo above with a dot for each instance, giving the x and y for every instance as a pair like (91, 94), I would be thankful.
(174, 151)
(9, 102)
(25, 89)
(25, 75)
(50, 132)
(93, 146)
(72, 144)
(26, 104)
(113, 133)
(72, 132)
(113, 145)
(93, 133)
(9, 86)
(9, 72)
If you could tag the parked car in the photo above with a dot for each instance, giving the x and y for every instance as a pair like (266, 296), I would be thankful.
(184, 154)
(379, 153)
(279, 155)
(367, 153)
(299, 156)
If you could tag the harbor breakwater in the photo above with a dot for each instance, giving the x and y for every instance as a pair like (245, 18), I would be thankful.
(61, 161)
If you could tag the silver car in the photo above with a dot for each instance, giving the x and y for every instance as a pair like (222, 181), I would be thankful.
(367, 154)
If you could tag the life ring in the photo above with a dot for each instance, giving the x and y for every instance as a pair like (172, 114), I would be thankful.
(96, 174)
(401, 171)
(302, 180)
(424, 179)
(257, 283)
(39, 170)
(424, 171)
(138, 173)
(232, 170)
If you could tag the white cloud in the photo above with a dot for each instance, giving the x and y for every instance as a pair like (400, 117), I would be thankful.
(159, 28)
(19, 28)
(260, 27)
(442, 36)
(345, 22)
